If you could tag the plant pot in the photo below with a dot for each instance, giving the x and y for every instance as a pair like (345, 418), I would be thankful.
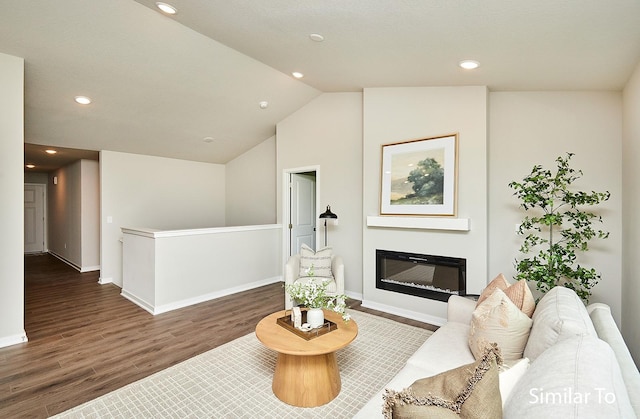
(315, 317)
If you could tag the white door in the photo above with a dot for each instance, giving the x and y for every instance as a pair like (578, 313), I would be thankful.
(303, 213)
(33, 218)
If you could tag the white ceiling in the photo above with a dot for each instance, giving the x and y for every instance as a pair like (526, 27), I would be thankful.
(162, 84)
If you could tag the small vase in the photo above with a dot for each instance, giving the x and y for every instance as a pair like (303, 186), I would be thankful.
(315, 317)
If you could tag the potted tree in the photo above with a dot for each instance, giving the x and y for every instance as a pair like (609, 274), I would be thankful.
(557, 228)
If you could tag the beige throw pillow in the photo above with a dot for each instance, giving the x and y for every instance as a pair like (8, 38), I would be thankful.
(519, 293)
(498, 320)
(470, 391)
(522, 297)
(499, 282)
(315, 263)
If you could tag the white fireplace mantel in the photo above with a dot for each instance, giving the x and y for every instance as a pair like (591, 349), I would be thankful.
(426, 223)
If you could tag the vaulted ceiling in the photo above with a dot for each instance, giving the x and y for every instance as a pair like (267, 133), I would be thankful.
(161, 85)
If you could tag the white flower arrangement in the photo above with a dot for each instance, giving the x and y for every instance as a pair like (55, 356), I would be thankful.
(313, 294)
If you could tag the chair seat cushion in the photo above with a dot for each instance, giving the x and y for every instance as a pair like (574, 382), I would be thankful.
(331, 283)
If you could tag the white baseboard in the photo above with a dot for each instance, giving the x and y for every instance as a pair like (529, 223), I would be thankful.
(78, 268)
(138, 301)
(354, 295)
(65, 260)
(90, 268)
(13, 340)
(175, 305)
(414, 315)
(105, 280)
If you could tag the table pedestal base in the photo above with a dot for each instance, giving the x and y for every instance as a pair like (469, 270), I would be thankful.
(306, 381)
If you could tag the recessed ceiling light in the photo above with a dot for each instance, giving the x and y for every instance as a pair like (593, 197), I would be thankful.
(297, 74)
(469, 64)
(166, 8)
(30, 166)
(83, 100)
(316, 37)
(50, 151)
(264, 104)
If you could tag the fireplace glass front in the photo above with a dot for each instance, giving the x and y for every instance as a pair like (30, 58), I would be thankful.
(428, 276)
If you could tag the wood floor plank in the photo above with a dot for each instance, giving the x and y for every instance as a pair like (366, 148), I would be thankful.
(86, 340)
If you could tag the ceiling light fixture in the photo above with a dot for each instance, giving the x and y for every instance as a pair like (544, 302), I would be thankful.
(297, 74)
(83, 100)
(30, 166)
(49, 151)
(264, 104)
(166, 8)
(208, 139)
(316, 37)
(469, 64)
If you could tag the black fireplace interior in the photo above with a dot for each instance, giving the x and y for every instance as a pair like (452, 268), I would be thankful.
(429, 276)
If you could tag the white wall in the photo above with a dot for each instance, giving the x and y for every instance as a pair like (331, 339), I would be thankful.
(73, 209)
(529, 128)
(167, 270)
(154, 192)
(90, 214)
(251, 186)
(327, 133)
(12, 208)
(65, 214)
(36, 177)
(400, 114)
(630, 211)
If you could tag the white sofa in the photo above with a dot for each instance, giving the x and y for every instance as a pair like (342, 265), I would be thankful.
(579, 366)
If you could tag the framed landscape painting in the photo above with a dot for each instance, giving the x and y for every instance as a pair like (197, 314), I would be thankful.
(419, 177)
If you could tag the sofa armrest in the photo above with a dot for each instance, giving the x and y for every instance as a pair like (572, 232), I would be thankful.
(460, 309)
(291, 271)
(608, 331)
(337, 269)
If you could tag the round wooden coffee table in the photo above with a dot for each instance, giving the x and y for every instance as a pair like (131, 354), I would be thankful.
(306, 373)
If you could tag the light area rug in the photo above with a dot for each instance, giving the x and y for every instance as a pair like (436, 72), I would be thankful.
(234, 380)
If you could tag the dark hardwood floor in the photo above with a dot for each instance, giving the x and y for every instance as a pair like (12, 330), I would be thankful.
(86, 340)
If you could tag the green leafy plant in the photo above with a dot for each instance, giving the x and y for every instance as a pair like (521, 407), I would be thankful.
(558, 229)
(313, 294)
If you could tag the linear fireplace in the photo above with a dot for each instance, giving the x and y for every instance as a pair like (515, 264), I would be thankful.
(428, 276)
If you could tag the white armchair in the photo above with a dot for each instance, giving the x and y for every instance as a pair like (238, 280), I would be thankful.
(292, 270)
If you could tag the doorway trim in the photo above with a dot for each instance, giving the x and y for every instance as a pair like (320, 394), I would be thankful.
(286, 206)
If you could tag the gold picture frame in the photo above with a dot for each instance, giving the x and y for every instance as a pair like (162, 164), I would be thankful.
(419, 177)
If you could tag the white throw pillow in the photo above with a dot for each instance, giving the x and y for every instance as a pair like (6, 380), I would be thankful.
(499, 320)
(315, 263)
(510, 375)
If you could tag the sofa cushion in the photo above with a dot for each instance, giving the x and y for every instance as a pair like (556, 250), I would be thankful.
(498, 320)
(448, 345)
(469, 391)
(560, 314)
(314, 263)
(577, 377)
